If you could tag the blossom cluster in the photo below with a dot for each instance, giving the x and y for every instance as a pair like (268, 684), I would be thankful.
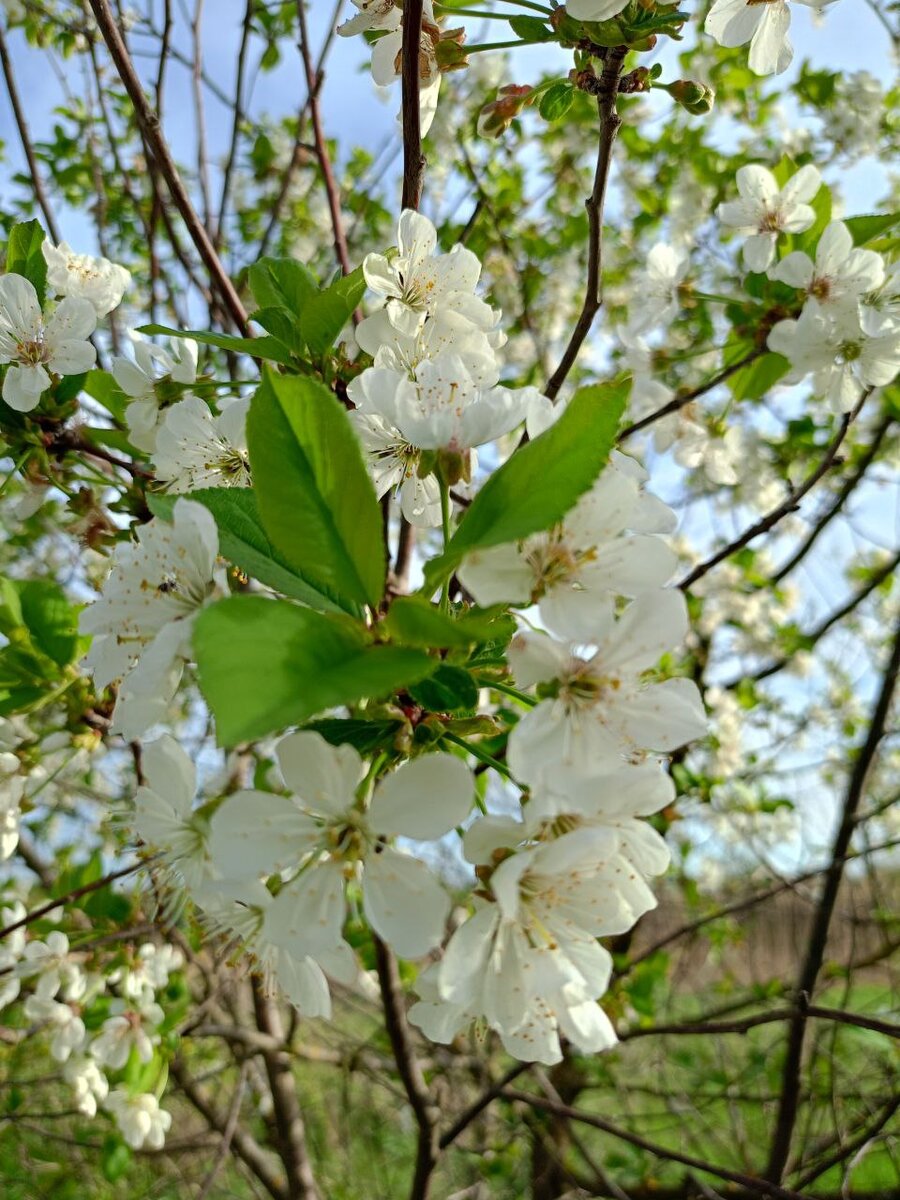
(95, 1024)
(432, 394)
(847, 336)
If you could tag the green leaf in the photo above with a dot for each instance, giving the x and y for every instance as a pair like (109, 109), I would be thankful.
(103, 388)
(25, 257)
(282, 325)
(753, 381)
(867, 228)
(365, 736)
(315, 496)
(266, 664)
(51, 620)
(531, 29)
(538, 484)
(261, 347)
(282, 283)
(326, 313)
(242, 540)
(415, 621)
(556, 101)
(447, 690)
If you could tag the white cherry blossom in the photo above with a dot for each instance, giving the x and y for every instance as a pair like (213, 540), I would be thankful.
(656, 290)
(394, 465)
(326, 832)
(417, 281)
(764, 210)
(600, 708)
(66, 1028)
(88, 1082)
(127, 1029)
(101, 282)
(38, 346)
(839, 353)
(139, 1118)
(196, 449)
(762, 23)
(841, 273)
(372, 15)
(139, 378)
(142, 622)
(595, 10)
(442, 408)
(589, 555)
(164, 813)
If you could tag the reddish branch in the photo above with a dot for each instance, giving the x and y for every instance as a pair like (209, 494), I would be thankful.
(413, 158)
(149, 124)
(331, 188)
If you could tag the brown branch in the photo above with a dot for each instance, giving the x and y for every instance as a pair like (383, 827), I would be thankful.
(409, 1069)
(237, 121)
(331, 188)
(744, 1024)
(69, 897)
(788, 505)
(687, 397)
(465, 1119)
(22, 125)
(839, 501)
(846, 1150)
(227, 1135)
(757, 1186)
(289, 1124)
(874, 581)
(607, 95)
(148, 121)
(815, 953)
(413, 158)
(244, 1145)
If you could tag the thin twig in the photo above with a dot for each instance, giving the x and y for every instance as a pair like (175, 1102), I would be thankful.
(607, 94)
(148, 121)
(22, 125)
(413, 158)
(788, 505)
(815, 952)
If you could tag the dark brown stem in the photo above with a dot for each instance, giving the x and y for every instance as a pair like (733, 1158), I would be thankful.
(289, 1124)
(684, 398)
(149, 124)
(607, 94)
(788, 505)
(409, 1069)
(413, 158)
(757, 1186)
(815, 953)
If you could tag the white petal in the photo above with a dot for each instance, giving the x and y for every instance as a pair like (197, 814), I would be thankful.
(323, 776)
(404, 902)
(423, 799)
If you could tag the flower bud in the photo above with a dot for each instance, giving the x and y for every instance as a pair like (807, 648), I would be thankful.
(696, 98)
(496, 117)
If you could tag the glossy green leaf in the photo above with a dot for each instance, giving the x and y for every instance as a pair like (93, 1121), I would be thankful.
(262, 347)
(315, 497)
(326, 313)
(25, 257)
(538, 484)
(267, 664)
(243, 541)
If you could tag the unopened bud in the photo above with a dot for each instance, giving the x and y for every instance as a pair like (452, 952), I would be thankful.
(496, 117)
(449, 51)
(696, 98)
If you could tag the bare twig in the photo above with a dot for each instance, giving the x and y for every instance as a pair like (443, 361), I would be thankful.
(22, 126)
(815, 952)
(788, 505)
(609, 120)
(148, 121)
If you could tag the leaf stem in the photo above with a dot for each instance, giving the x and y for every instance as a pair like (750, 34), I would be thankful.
(477, 752)
(445, 526)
